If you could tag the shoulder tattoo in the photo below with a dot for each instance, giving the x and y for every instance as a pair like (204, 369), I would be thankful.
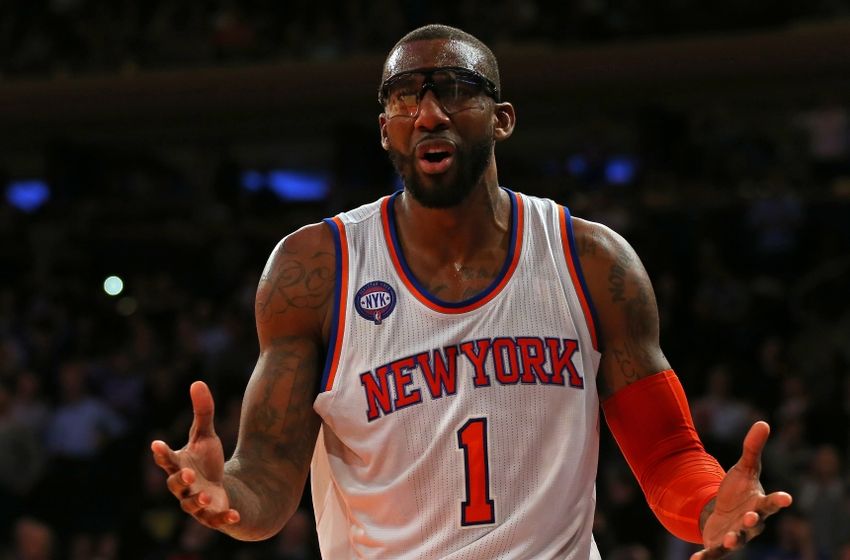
(295, 281)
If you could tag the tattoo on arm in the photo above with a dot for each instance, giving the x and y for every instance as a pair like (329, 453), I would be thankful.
(639, 329)
(277, 434)
(282, 422)
(587, 244)
(298, 282)
(642, 324)
(617, 276)
(626, 364)
(632, 350)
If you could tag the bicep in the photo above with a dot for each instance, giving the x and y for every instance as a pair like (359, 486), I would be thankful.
(626, 308)
(278, 425)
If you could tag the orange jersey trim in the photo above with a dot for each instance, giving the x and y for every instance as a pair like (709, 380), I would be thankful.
(340, 303)
(574, 266)
(387, 219)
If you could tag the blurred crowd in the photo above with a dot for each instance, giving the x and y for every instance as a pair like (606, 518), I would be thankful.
(742, 224)
(62, 37)
(740, 214)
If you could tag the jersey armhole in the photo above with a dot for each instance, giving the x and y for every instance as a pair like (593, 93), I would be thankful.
(335, 337)
(574, 266)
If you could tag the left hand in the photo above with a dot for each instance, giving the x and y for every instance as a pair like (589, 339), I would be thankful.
(741, 505)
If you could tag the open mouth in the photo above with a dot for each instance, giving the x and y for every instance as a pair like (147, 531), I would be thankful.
(435, 156)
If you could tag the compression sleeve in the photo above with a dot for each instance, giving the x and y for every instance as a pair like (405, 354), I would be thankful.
(652, 425)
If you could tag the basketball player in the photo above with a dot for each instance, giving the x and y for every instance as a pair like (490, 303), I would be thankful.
(440, 357)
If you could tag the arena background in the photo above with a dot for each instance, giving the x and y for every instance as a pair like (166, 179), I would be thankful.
(172, 144)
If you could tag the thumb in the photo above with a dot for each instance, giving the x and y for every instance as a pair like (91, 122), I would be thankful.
(753, 445)
(203, 409)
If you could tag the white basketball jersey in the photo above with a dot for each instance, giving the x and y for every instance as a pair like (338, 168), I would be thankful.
(458, 430)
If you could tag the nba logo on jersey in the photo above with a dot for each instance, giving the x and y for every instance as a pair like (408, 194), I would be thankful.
(375, 301)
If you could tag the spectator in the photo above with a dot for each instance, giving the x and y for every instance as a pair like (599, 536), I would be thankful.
(29, 406)
(823, 498)
(33, 540)
(79, 431)
(21, 460)
(720, 417)
(794, 542)
(787, 454)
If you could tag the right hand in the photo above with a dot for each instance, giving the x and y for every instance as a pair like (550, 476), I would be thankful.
(196, 472)
(741, 507)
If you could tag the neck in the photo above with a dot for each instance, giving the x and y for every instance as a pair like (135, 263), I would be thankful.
(454, 235)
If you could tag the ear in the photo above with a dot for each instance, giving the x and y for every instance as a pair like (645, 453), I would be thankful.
(505, 118)
(382, 124)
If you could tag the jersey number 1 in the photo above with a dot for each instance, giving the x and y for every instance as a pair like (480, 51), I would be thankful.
(478, 507)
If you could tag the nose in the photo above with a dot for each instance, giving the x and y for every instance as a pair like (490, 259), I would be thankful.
(431, 115)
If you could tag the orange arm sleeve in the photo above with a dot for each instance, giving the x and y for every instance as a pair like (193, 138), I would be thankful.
(652, 424)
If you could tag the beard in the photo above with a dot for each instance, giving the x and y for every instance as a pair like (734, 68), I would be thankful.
(470, 163)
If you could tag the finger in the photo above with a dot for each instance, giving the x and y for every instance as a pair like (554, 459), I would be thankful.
(180, 483)
(753, 445)
(773, 502)
(164, 456)
(193, 504)
(711, 553)
(731, 540)
(734, 540)
(203, 408)
(219, 519)
(750, 519)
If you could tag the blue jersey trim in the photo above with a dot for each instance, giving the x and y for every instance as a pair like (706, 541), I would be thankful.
(419, 287)
(580, 274)
(337, 300)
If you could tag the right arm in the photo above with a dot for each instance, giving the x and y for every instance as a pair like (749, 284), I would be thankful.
(252, 495)
(647, 411)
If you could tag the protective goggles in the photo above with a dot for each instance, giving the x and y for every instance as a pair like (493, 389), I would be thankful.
(455, 88)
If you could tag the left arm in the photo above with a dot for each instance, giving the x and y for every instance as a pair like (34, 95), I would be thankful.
(647, 410)
(625, 305)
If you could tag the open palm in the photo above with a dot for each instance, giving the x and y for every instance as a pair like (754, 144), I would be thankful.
(741, 506)
(196, 472)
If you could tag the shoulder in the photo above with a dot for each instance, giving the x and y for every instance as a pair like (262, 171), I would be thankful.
(616, 279)
(612, 269)
(600, 247)
(312, 238)
(625, 304)
(297, 283)
(306, 252)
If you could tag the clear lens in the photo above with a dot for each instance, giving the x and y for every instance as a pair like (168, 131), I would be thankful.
(455, 92)
(403, 95)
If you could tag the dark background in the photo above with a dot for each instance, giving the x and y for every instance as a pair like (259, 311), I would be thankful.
(143, 140)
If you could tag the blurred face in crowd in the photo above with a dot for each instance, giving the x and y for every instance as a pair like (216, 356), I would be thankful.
(33, 540)
(826, 464)
(442, 150)
(72, 381)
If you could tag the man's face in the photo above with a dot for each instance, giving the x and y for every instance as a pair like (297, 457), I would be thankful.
(439, 156)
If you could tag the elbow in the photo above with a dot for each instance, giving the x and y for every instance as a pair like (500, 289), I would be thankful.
(264, 523)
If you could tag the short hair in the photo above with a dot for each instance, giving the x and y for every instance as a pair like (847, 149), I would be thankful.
(439, 31)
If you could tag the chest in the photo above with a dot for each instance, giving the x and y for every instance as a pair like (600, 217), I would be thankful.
(459, 282)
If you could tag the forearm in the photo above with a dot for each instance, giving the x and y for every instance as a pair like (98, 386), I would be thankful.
(264, 499)
(652, 425)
